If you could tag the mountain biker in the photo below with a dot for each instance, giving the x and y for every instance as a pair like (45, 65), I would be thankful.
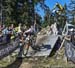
(30, 31)
(28, 34)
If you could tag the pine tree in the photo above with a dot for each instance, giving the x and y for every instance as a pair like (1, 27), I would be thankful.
(19, 11)
(72, 11)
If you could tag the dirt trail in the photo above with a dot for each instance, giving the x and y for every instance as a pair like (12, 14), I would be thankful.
(26, 65)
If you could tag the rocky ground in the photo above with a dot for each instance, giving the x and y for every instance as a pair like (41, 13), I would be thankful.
(54, 61)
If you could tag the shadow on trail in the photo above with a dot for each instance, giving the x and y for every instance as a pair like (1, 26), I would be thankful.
(56, 47)
(15, 64)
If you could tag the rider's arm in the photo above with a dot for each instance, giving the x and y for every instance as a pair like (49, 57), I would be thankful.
(29, 30)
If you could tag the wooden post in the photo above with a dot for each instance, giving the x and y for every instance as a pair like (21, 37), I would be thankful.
(65, 59)
(61, 45)
(65, 38)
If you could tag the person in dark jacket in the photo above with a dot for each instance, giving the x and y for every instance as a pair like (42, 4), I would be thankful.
(1, 36)
(9, 33)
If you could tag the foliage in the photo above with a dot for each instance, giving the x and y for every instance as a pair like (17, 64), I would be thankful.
(20, 11)
(23, 11)
(71, 9)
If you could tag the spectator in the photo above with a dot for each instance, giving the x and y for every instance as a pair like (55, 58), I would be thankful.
(1, 36)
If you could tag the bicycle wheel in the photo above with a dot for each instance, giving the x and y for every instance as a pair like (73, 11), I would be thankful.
(25, 49)
(34, 47)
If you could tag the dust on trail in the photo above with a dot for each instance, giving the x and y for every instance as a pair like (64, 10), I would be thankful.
(41, 39)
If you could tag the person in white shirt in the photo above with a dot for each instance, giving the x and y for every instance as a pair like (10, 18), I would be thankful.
(30, 30)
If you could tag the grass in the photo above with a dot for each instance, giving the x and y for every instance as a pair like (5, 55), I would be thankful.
(6, 61)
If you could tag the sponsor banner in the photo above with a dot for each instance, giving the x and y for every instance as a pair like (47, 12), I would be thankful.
(70, 50)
